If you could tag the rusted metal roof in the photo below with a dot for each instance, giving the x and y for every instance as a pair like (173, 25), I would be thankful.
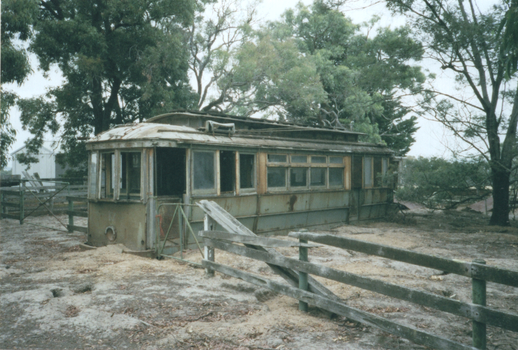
(149, 134)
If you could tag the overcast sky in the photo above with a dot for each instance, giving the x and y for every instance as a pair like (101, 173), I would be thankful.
(431, 138)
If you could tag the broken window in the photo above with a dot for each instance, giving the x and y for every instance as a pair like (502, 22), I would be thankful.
(204, 170)
(367, 172)
(298, 177)
(246, 171)
(130, 175)
(107, 175)
(227, 171)
(170, 171)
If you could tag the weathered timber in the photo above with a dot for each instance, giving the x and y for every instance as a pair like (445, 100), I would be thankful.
(472, 270)
(412, 334)
(83, 214)
(77, 199)
(10, 204)
(77, 228)
(10, 216)
(11, 192)
(265, 242)
(231, 224)
(476, 312)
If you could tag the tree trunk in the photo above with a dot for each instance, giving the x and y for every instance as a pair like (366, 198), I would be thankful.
(500, 215)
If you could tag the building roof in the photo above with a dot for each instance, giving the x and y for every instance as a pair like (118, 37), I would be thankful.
(150, 134)
(46, 148)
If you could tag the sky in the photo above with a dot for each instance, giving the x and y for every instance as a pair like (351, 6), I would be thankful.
(432, 140)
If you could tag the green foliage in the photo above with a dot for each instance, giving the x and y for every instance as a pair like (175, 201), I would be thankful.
(122, 61)
(442, 184)
(470, 43)
(17, 18)
(315, 66)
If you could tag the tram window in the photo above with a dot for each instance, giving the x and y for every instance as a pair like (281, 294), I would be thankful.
(227, 171)
(130, 174)
(276, 177)
(378, 176)
(384, 171)
(203, 170)
(318, 176)
(92, 176)
(299, 159)
(170, 171)
(298, 177)
(357, 171)
(277, 158)
(336, 160)
(246, 170)
(367, 172)
(107, 174)
(336, 177)
(318, 159)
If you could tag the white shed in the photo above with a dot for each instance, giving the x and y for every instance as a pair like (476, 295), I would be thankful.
(45, 167)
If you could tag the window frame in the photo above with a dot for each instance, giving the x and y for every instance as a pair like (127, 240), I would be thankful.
(364, 172)
(208, 191)
(247, 190)
(119, 159)
(114, 178)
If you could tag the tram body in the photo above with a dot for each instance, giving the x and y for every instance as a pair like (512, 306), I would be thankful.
(273, 177)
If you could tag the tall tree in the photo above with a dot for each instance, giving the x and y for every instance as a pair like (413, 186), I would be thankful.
(315, 66)
(17, 19)
(465, 40)
(122, 61)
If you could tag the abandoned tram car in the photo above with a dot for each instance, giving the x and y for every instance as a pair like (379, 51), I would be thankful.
(273, 177)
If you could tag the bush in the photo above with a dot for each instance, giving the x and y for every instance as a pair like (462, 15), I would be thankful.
(443, 184)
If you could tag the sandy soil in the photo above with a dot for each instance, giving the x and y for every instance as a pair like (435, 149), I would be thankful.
(55, 296)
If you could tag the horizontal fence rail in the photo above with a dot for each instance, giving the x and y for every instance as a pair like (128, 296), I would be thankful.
(472, 270)
(71, 213)
(254, 247)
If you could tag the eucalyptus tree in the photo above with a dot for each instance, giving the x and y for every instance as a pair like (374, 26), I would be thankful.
(464, 38)
(17, 19)
(121, 61)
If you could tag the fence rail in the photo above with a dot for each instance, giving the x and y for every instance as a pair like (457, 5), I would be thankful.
(71, 213)
(477, 311)
(31, 198)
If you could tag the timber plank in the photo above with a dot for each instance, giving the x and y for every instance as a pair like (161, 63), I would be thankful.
(78, 228)
(10, 216)
(415, 335)
(472, 311)
(264, 242)
(83, 214)
(472, 270)
(77, 199)
(231, 224)
(10, 204)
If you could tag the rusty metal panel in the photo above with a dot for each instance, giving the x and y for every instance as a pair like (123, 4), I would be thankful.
(237, 206)
(326, 217)
(367, 199)
(128, 219)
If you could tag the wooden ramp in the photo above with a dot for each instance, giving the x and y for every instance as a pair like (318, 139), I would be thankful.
(232, 225)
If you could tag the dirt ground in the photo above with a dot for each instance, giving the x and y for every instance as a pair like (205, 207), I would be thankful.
(55, 296)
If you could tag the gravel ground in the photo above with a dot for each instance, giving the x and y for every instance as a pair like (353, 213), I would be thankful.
(54, 295)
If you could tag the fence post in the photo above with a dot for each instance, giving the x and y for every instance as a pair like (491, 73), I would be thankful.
(479, 297)
(303, 276)
(208, 251)
(2, 199)
(70, 215)
(22, 205)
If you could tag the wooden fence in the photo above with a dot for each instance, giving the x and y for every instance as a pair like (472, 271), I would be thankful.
(72, 211)
(25, 200)
(255, 248)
